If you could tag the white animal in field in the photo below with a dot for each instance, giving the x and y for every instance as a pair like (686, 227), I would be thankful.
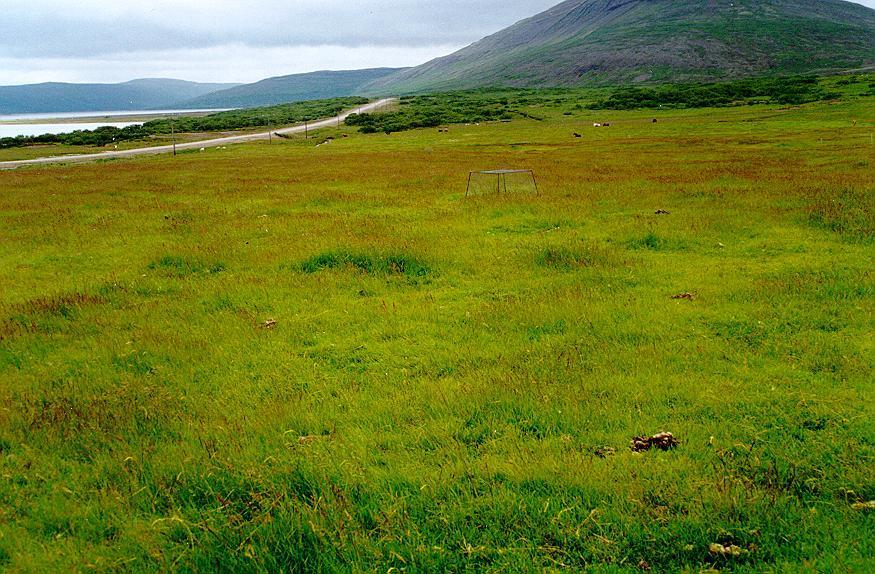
(203, 149)
(596, 125)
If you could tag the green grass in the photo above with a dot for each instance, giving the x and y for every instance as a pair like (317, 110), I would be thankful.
(290, 358)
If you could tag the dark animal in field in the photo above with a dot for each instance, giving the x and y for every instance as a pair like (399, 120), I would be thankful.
(661, 441)
(577, 135)
(684, 296)
(654, 120)
(662, 212)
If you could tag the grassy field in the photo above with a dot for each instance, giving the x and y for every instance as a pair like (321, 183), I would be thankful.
(302, 359)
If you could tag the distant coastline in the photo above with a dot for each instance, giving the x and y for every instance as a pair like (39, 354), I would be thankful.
(76, 117)
(14, 125)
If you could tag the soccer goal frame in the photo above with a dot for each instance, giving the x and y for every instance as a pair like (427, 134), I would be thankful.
(501, 179)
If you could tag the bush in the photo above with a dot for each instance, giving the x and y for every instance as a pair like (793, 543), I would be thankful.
(435, 110)
(787, 91)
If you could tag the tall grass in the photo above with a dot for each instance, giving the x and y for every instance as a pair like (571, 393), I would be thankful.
(289, 358)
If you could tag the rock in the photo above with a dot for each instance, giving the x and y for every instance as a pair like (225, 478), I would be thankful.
(269, 324)
(726, 551)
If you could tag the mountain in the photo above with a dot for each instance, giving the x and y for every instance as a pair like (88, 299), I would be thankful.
(603, 42)
(294, 88)
(146, 94)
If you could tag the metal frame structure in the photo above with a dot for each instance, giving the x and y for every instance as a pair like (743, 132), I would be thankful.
(501, 179)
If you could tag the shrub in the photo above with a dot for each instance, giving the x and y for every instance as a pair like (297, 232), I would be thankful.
(789, 91)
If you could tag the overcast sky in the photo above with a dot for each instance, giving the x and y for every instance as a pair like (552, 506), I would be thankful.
(236, 40)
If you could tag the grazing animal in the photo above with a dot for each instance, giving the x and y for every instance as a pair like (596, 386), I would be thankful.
(577, 135)
(596, 125)
(203, 149)
(654, 120)
(606, 124)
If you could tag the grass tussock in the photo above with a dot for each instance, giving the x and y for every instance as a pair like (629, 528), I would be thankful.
(848, 212)
(58, 305)
(85, 423)
(586, 255)
(821, 285)
(653, 242)
(177, 267)
(392, 264)
(42, 313)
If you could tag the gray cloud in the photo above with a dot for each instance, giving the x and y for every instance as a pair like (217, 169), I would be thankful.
(236, 40)
(55, 28)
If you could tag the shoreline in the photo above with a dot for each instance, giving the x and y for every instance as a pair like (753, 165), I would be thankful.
(110, 117)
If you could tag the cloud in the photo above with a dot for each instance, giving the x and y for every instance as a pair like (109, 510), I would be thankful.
(228, 63)
(237, 40)
(94, 28)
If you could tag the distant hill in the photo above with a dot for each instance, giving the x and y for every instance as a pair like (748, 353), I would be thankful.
(294, 88)
(146, 94)
(602, 42)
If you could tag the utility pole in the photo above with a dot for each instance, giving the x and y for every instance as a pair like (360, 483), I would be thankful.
(173, 133)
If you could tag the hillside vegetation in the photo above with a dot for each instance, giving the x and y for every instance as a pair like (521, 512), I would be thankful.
(615, 42)
(148, 94)
(505, 104)
(294, 88)
(291, 358)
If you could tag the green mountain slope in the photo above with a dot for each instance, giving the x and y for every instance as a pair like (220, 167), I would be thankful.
(600, 42)
(294, 88)
(145, 94)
